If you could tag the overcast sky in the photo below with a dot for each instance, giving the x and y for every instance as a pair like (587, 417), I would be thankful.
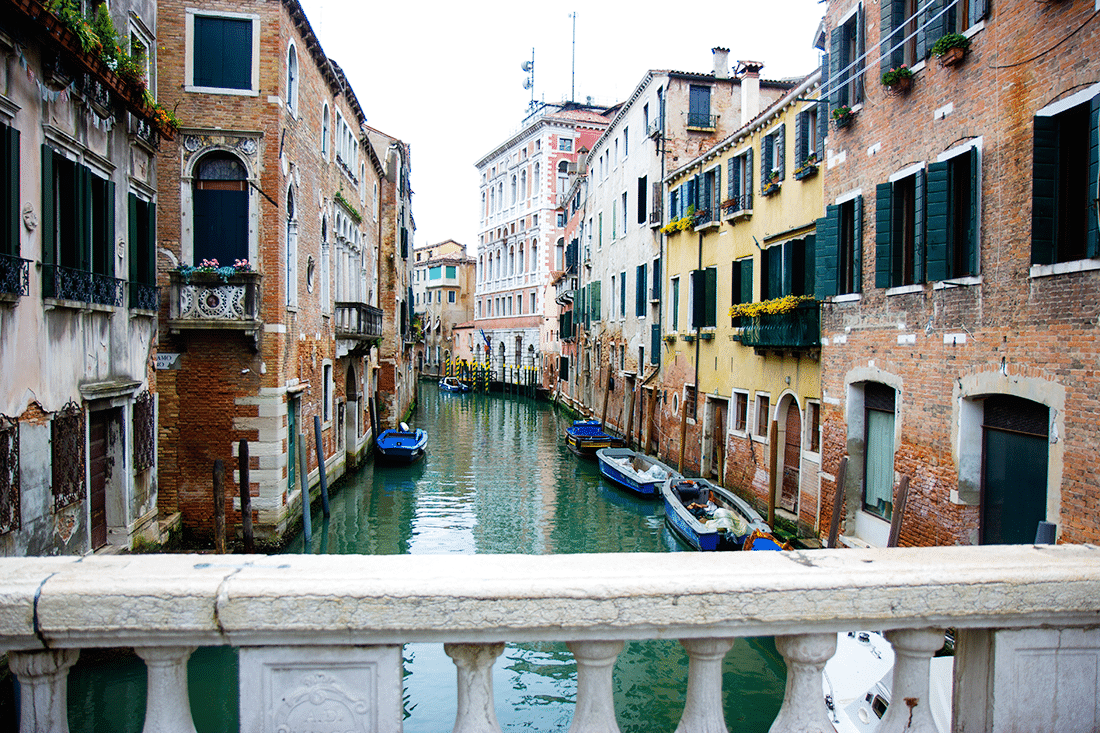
(445, 77)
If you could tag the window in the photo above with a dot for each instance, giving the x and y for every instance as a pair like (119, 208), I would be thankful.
(10, 218)
(626, 142)
(839, 247)
(450, 296)
(622, 205)
(808, 148)
(640, 282)
(740, 411)
(326, 371)
(739, 183)
(435, 272)
(220, 201)
(962, 15)
(326, 133)
(223, 53)
(452, 271)
(140, 46)
(67, 456)
(291, 251)
(613, 289)
(813, 426)
(710, 193)
(763, 416)
(78, 232)
(899, 231)
(690, 400)
(292, 79)
(565, 145)
(142, 221)
(954, 203)
(704, 298)
(905, 32)
(675, 303)
(699, 107)
(655, 293)
(563, 176)
(594, 300)
(563, 368)
(846, 49)
(878, 484)
(643, 186)
(742, 286)
(10, 516)
(772, 158)
(1064, 189)
(622, 294)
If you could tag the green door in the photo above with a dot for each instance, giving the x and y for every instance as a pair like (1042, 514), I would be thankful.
(1014, 470)
(291, 444)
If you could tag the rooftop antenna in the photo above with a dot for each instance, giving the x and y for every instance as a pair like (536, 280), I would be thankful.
(573, 75)
(529, 82)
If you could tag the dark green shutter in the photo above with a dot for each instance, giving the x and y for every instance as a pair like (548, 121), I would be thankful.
(978, 10)
(823, 108)
(746, 280)
(765, 270)
(884, 234)
(827, 253)
(656, 280)
(834, 58)
(711, 313)
(808, 270)
(83, 229)
(918, 227)
(859, 62)
(932, 25)
(49, 215)
(731, 173)
(717, 193)
(1092, 241)
(936, 222)
(596, 304)
(109, 213)
(781, 151)
(698, 298)
(11, 183)
(892, 49)
(973, 243)
(622, 295)
(766, 162)
(132, 235)
(857, 244)
(655, 344)
(639, 291)
(747, 187)
(786, 284)
(1044, 179)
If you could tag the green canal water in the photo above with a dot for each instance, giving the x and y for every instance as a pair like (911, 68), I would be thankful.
(497, 479)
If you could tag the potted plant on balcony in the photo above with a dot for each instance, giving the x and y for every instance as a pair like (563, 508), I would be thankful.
(899, 80)
(808, 167)
(772, 185)
(951, 48)
(842, 116)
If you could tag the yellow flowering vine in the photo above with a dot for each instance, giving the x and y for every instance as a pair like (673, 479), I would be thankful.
(776, 306)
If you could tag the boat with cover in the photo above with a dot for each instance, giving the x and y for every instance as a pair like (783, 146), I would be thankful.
(585, 437)
(452, 384)
(403, 445)
(709, 517)
(634, 471)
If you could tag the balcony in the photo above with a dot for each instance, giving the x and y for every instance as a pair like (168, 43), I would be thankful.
(314, 634)
(206, 300)
(357, 321)
(798, 329)
(144, 297)
(14, 276)
(81, 286)
(737, 206)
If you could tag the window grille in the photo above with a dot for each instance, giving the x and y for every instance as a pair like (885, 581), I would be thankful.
(67, 455)
(10, 518)
(145, 427)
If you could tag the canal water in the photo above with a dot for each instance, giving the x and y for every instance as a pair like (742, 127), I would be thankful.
(497, 479)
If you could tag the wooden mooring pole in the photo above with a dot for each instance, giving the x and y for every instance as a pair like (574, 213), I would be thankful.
(773, 465)
(246, 498)
(303, 481)
(219, 507)
(838, 502)
(321, 464)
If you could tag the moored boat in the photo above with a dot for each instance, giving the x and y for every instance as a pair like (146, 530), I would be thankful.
(709, 517)
(403, 445)
(634, 471)
(585, 437)
(453, 384)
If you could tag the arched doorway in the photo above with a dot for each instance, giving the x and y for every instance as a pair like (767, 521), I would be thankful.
(792, 458)
(351, 394)
(220, 200)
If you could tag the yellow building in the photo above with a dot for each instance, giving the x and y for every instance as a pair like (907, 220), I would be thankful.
(741, 326)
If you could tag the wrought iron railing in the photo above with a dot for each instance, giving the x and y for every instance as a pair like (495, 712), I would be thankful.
(706, 217)
(67, 455)
(14, 275)
(700, 119)
(67, 283)
(145, 432)
(144, 297)
(798, 329)
(207, 300)
(10, 516)
(357, 320)
(737, 205)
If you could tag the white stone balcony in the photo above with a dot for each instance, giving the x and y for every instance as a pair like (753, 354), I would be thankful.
(315, 634)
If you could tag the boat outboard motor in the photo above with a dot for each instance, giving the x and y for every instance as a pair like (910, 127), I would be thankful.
(404, 427)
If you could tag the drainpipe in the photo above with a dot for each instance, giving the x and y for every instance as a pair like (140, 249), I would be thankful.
(697, 326)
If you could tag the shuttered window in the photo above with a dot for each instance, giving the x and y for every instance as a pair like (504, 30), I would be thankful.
(951, 221)
(704, 298)
(787, 269)
(899, 231)
(846, 63)
(655, 344)
(772, 156)
(9, 191)
(640, 282)
(742, 286)
(222, 52)
(839, 243)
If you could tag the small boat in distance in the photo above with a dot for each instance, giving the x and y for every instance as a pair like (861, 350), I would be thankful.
(585, 437)
(452, 384)
(709, 517)
(634, 471)
(401, 446)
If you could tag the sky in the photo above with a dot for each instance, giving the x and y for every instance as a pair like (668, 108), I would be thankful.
(446, 77)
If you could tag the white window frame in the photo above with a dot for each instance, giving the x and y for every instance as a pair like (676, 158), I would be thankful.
(756, 416)
(732, 428)
(292, 82)
(189, 53)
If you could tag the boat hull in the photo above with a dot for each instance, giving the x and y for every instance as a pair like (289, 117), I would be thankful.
(696, 534)
(450, 384)
(585, 437)
(629, 478)
(401, 446)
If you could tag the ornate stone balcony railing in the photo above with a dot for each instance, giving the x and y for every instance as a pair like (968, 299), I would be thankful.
(311, 631)
(204, 300)
(357, 321)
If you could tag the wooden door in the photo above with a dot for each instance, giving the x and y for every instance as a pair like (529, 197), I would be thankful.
(97, 460)
(792, 456)
(718, 440)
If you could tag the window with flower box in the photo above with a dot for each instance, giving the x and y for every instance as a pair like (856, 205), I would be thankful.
(846, 51)
(773, 159)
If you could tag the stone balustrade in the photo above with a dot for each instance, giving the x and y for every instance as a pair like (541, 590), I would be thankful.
(319, 634)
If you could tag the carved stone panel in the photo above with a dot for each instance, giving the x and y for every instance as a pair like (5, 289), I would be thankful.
(320, 689)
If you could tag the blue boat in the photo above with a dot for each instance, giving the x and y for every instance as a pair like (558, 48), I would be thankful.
(634, 471)
(709, 517)
(401, 446)
(452, 384)
(585, 437)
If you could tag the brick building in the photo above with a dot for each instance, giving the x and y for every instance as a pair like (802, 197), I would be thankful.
(959, 263)
(275, 179)
(78, 193)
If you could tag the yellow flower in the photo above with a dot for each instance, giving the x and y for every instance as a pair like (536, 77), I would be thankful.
(776, 306)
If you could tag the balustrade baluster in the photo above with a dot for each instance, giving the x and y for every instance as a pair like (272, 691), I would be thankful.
(475, 686)
(803, 709)
(910, 706)
(167, 705)
(703, 711)
(595, 711)
(43, 682)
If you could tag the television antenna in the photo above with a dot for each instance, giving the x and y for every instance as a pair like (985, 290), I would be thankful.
(529, 82)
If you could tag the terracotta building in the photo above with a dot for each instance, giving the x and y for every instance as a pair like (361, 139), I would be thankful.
(78, 195)
(959, 262)
(444, 295)
(275, 234)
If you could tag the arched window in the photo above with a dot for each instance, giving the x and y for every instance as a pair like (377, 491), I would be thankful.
(325, 134)
(563, 176)
(523, 184)
(512, 261)
(292, 79)
(538, 182)
(220, 199)
(513, 189)
(291, 250)
(522, 262)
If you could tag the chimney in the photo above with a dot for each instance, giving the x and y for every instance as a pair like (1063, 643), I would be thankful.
(721, 62)
(750, 90)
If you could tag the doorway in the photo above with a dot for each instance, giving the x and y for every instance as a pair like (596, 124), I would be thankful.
(1015, 445)
(718, 411)
(792, 456)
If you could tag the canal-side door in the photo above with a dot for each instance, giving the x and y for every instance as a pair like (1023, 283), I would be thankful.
(291, 441)
(718, 438)
(1014, 469)
(792, 455)
(97, 465)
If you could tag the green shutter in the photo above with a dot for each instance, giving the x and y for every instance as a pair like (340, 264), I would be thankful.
(622, 294)
(746, 281)
(711, 296)
(747, 188)
(731, 172)
(654, 344)
(765, 272)
(657, 279)
(83, 183)
(132, 235)
(11, 183)
(918, 228)
(859, 62)
(827, 252)
(834, 57)
(717, 194)
(937, 202)
(698, 296)
(1044, 179)
(808, 270)
(675, 304)
(596, 300)
(823, 108)
(892, 49)
(786, 284)
(932, 24)
(1092, 246)
(978, 10)
(884, 229)
(49, 216)
(109, 221)
(639, 291)
(766, 163)
(800, 122)
(781, 151)
(857, 244)
(973, 243)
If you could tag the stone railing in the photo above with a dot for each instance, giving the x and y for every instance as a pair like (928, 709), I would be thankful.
(358, 321)
(314, 634)
(206, 300)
